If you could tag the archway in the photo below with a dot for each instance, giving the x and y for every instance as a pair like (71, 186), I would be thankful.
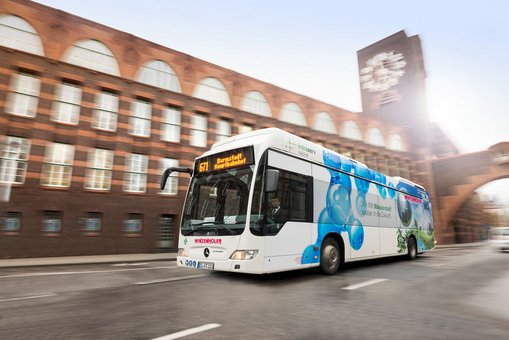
(487, 207)
(456, 179)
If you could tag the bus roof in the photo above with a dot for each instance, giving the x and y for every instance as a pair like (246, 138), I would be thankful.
(292, 144)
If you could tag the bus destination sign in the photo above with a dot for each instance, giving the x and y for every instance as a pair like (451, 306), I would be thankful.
(225, 160)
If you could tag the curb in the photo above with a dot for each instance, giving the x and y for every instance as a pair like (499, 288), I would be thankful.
(461, 245)
(81, 260)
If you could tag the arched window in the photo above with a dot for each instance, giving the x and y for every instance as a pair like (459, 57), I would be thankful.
(323, 122)
(396, 143)
(255, 102)
(291, 113)
(159, 74)
(94, 55)
(18, 34)
(351, 130)
(212, 90)
(375, 137)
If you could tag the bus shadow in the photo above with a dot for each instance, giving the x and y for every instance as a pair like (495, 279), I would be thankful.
(374, 262)
(286, 277)
(296, 276)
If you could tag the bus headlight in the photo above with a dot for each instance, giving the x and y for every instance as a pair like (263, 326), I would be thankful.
(244, 254)
(182, 252)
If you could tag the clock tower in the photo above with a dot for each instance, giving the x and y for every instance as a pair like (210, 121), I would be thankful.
(392, 77)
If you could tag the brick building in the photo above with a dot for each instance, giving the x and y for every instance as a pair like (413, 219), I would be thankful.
(89, 117)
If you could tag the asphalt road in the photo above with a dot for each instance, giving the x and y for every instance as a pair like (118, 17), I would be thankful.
(445, 294)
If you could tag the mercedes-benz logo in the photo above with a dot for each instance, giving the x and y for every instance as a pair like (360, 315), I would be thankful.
(206, 252)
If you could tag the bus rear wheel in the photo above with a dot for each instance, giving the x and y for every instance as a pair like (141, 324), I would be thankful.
(330, 256)
(412, 248)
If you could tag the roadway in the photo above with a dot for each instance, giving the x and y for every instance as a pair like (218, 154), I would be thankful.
(445, 294)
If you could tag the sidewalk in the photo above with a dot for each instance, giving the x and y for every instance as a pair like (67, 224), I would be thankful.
(462, 245)
(93, 259)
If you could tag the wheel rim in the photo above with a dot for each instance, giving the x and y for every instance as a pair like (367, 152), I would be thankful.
(331, 256)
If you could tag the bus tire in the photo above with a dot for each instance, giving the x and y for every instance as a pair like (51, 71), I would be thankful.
(330, 256)
(412, 248)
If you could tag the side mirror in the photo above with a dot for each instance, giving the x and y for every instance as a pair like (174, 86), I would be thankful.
(168, 171)
(271, 180)
(164, 178)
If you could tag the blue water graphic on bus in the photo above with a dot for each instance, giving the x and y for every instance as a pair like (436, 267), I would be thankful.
(338, 215)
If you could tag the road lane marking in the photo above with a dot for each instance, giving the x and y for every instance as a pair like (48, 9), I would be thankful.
(28, 297)
(189, 332)
(129, 264)
(364, 284)
(170, 279)
(84, 272)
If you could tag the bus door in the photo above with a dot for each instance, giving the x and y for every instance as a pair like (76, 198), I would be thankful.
(289, 212)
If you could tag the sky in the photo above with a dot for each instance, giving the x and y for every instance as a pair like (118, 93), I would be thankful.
(309, 47)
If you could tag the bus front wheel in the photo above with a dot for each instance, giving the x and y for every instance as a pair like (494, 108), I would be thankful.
(330, 256)
(412, 248)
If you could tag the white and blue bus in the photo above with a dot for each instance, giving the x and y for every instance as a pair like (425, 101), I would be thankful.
(269, 201)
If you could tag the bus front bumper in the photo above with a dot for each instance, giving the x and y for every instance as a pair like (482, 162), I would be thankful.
(243, 266)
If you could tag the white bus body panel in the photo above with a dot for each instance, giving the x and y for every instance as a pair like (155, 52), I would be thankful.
(389, 224)
(285, 162)
(284, 250)
(369, 221)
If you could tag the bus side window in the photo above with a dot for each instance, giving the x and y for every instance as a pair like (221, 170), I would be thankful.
(292, 200)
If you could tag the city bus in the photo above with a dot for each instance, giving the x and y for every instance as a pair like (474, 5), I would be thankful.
(268, 201)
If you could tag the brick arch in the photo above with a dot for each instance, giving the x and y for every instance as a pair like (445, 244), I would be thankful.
(241, 86)
(273, 95)
(244, 93)
(455, 203)
(476, 186)
(307, 105)
(44, 29)
(198, 70)
(314, 117)
(71, 36)
(360, 125)
(222, 82)
(456, 178)
(34, 27)
(393, 130)
(116, 60)
(147, 59)
(302, 108)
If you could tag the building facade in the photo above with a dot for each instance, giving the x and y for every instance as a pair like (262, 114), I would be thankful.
(90, 116)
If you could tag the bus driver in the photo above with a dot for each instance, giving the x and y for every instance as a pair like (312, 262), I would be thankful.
(276, 213)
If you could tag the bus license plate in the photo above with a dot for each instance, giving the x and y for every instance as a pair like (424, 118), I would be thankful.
(206, 265)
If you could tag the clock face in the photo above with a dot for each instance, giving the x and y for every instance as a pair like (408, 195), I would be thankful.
(382, 71)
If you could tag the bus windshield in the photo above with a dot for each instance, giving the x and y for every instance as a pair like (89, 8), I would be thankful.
(216, 203)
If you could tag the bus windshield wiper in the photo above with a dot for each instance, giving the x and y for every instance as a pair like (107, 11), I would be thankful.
(216, 224)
